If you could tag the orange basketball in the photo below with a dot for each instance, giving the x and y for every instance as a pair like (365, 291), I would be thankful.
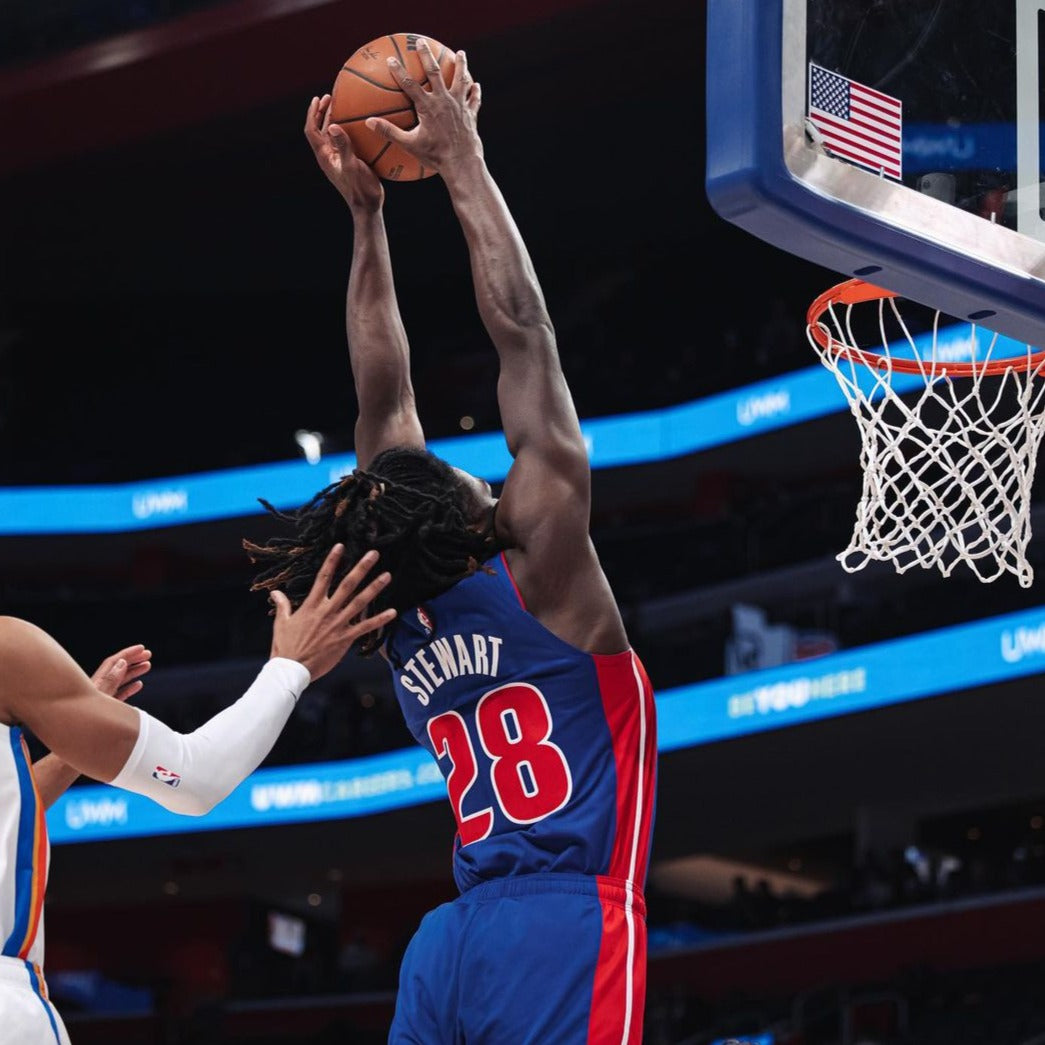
(365, 87)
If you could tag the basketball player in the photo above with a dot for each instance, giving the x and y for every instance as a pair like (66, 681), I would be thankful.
(509, 656)
(43, 689)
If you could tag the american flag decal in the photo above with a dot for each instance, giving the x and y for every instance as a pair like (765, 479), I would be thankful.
(857, 123)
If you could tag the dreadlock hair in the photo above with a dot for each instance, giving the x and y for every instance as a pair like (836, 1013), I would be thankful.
(409, 505)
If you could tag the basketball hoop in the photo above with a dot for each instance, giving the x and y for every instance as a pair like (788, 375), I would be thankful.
(950, 416)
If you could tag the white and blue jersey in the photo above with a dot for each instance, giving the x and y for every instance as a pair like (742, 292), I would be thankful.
(25, 1012)
(549, 756)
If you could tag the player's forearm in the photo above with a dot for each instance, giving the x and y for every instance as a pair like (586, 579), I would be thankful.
(192, 773)
(507, 291)
(377, 341)
(53, 778)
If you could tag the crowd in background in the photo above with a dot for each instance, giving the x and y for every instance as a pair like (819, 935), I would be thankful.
(979, 1006)
(872, 884)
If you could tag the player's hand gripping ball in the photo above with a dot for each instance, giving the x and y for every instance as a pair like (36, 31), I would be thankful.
(365, 87)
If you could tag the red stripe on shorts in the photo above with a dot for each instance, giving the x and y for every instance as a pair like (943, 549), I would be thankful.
(627, 702)
(618, 995)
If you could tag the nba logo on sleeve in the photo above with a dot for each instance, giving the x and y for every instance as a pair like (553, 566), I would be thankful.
(166, 776)
(425, 620)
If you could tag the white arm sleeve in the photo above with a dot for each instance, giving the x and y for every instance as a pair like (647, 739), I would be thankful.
(191, 773)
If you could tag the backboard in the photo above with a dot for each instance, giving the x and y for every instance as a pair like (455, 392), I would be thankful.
(895, 140)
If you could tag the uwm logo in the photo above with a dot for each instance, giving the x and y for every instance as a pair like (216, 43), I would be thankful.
(755, 408)
(1021, 643)
(103, 812)
(290, 795)
(159, 502)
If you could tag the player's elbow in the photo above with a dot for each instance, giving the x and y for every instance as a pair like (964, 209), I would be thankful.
(195, 803)
(382, 394)
(529, 334)
(191, 805)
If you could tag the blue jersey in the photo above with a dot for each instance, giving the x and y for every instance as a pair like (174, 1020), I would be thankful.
(549, 753)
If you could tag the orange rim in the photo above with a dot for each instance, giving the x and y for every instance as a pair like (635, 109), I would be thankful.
(855, 292)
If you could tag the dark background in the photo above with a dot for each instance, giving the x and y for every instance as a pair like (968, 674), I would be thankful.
(172, 274)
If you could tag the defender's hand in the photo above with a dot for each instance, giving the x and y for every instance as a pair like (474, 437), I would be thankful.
(322, 629)
(357, 183)
(446, 133)
(119, 675)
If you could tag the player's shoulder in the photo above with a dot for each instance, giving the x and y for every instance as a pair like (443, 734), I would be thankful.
(25, 643)
(34, 667)
(14, 628)
(17, 630)
(23, 648)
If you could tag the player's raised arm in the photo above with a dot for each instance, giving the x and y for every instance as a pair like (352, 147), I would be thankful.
(540, 422)
(42, 687)
(377, 342)
(544, 508)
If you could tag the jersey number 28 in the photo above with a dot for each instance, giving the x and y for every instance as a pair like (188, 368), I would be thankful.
(528, 773)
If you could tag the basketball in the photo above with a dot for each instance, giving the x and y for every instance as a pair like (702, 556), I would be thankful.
(365, 87)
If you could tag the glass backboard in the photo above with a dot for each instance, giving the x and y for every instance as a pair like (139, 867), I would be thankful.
(894, 140)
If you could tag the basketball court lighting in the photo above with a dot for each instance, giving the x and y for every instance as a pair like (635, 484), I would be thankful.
(310, 444)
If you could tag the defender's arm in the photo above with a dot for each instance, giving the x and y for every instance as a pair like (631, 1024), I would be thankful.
(118, 676)
(42, 687)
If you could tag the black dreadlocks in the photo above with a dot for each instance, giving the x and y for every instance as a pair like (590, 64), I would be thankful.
(410, 505)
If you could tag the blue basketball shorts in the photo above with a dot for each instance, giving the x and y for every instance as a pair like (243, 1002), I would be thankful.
(527, 960)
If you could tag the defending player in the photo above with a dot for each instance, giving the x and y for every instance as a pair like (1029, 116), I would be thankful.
(43, 689)
(509, 656)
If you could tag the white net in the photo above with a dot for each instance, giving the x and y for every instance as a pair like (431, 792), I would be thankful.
(950, 419)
